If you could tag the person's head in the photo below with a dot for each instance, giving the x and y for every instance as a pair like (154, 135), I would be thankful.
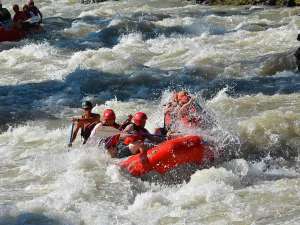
(30, 3)
(87, 106)
(16, 8)
(139, 119)
(109, 116)
(25, 8)
(183, 97)
(298, 37)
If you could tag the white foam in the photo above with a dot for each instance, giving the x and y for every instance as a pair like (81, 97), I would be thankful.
(179, 21)
(79, 29)
(32, 63)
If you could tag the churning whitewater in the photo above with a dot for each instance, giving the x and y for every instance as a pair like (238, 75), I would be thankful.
(129, 56)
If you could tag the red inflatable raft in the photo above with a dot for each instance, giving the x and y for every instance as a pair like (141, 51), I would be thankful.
(168, 155)
(11, 35)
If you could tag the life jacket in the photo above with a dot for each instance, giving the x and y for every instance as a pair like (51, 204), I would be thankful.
(133, 138)
(114, 140)
(136, 136)
(188, 119)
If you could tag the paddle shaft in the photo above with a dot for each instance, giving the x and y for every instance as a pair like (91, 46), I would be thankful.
(71, 135)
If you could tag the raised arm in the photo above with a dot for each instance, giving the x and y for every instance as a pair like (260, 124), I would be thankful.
(74, 135)
(41, 15)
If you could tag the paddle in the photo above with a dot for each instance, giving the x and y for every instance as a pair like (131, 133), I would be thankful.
(97, 109)
(101, 131)
(70, 136)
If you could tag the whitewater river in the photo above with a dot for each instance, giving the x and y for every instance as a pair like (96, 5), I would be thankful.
(129, 55)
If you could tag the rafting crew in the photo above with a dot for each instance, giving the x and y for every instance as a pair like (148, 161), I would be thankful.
(131, 141)
(133, 137)
(30, 17)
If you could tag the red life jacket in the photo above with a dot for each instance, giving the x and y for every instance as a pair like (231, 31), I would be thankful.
(133, 138)
(189, 120)
(114, 140)
(136, 136)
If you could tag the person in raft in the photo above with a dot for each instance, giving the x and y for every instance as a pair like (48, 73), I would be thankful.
(181, 108)
(109, 120)
(85, 123)
(26, 25)
(186, 113)
(19, 17)
(27, 12)
(134, 136)
(34, 11)
(5, 17)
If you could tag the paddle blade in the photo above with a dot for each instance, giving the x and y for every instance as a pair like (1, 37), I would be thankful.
(103, 131)
(70, 134)
(97, 110)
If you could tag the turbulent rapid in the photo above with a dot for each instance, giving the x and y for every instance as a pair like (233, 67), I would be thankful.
(129, 56)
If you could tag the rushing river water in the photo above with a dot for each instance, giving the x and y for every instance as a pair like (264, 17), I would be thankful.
(129, 55)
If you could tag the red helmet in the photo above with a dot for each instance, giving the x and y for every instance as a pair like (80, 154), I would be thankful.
(109, 114)
(140, 118)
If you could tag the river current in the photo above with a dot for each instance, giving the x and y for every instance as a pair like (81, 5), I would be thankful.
(129, 56)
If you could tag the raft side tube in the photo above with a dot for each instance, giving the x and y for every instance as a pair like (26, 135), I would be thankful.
(168, 155)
